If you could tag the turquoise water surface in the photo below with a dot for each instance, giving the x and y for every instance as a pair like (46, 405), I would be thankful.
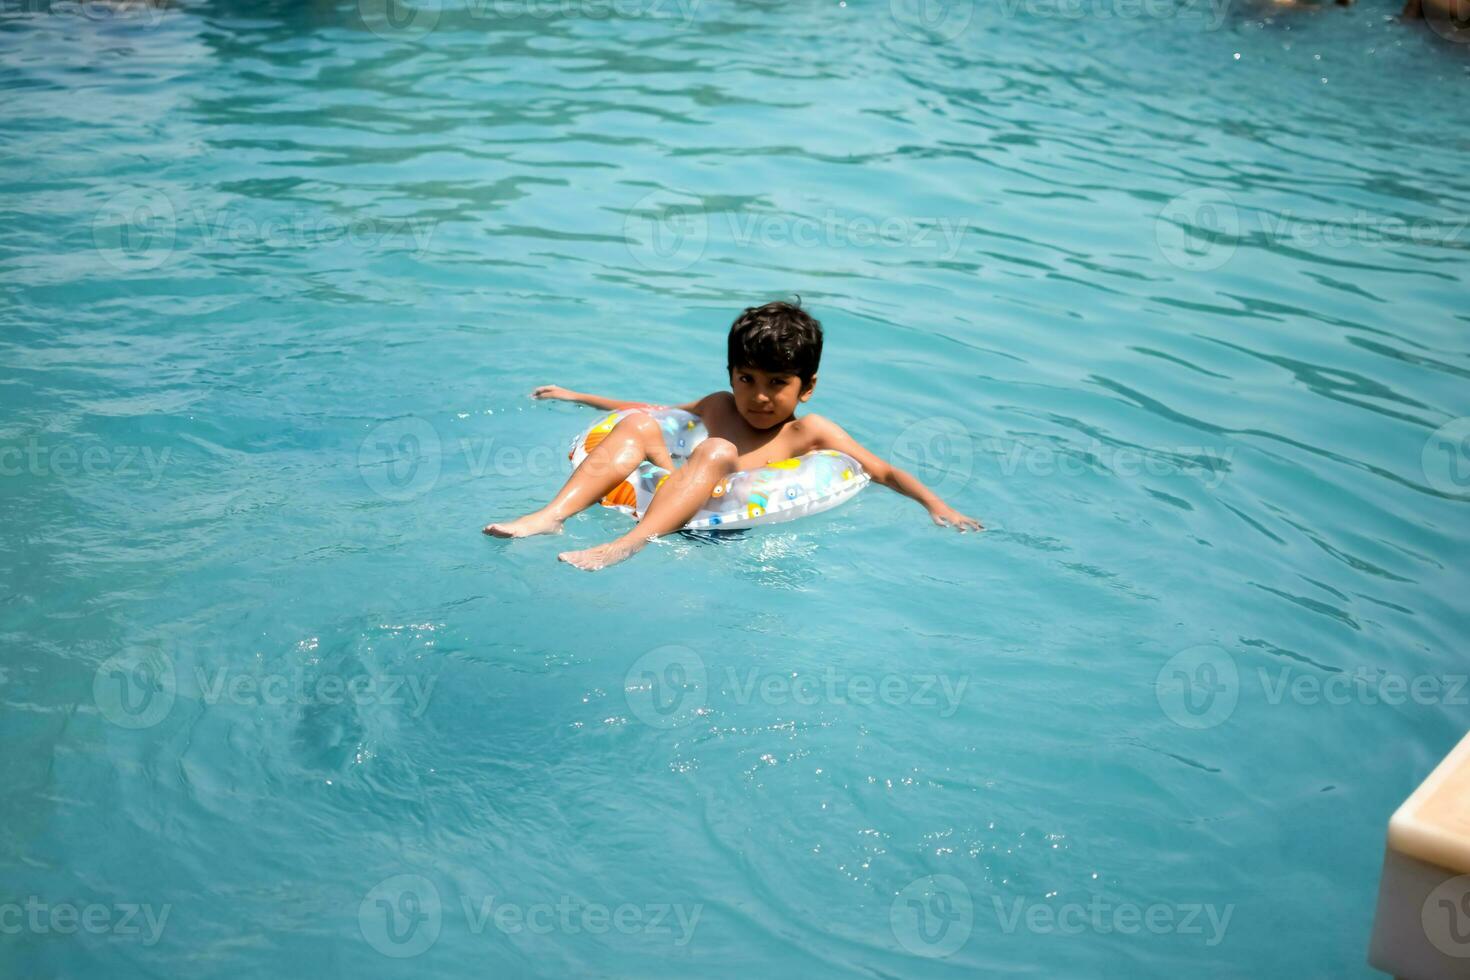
(1171, 296)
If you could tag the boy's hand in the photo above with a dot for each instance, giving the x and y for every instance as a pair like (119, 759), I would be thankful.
(556, 392)
(829, 435)
(946, 516)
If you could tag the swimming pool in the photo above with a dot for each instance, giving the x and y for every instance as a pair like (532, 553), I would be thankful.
(1171, 298)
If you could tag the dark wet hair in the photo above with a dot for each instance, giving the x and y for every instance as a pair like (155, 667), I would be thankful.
(779, 338)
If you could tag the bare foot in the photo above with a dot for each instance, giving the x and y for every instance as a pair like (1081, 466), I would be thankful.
(600, 557)
(539, 522)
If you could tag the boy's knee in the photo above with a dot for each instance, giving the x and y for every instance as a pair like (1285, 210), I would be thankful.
(640, 422)
(644, 428)
(716, 450)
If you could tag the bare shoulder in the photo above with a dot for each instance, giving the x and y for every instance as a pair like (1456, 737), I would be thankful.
(816, 430)
(715, 401)
(812, 422)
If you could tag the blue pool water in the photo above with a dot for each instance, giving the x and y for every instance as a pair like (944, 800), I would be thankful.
(1171, 296)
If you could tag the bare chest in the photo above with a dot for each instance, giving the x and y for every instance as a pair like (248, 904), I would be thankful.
(756, 448)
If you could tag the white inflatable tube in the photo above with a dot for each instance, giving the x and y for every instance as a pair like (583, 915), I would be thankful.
(780, 491)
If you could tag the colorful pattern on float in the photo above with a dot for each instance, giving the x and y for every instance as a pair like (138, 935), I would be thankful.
(780, 491)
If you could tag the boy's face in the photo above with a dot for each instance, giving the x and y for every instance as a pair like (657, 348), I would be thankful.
(765, 398)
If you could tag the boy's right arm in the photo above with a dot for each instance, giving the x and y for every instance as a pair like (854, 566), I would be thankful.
(559, 393)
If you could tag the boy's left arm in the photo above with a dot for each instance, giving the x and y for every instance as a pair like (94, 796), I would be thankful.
(830, 435)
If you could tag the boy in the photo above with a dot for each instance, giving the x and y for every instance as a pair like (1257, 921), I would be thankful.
(773, 355)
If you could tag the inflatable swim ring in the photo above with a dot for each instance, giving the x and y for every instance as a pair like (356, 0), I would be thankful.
(780, 491)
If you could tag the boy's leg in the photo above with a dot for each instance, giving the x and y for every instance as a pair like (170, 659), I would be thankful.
(683, 493)
(635, 438)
